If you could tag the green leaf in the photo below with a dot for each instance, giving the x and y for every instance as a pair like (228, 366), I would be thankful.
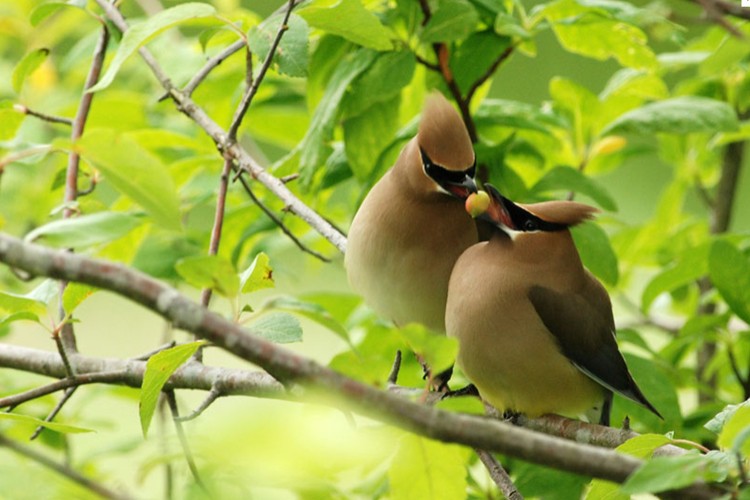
(736, 431)
(258, 275)
(668, 473)
(691, 266)
(46, 291)
(717, 423)
(27, 65)
(323, 121)
(159, 368)
(10, 120)
(74, 294)
(351, 20)
(368, 134)
(135, 172)
(507, 25)
(571, 179)
(423, 468)
(679, 115)
(210, 271)
(596, 252)
(311, 311)
(280, 328)
(85, 230)
(291, 54)
(438, 351)
(43, 11)
(593, 33)
(16, 307)
(452, 20)
(729, 270)
(389, 73)
(6, 319)
(515, 114)
(35, 422)
(475, 56)
(138, 34)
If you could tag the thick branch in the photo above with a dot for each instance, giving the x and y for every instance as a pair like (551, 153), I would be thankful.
(291, 368)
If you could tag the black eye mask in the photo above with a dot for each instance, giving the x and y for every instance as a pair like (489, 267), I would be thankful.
(443, 175)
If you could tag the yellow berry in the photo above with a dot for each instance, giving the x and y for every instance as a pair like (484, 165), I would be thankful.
(477, 203)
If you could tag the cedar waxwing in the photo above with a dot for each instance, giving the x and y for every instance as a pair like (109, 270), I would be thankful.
(412, 226)
(535, 329)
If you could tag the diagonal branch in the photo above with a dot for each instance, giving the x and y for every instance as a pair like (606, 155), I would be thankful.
(302, 373)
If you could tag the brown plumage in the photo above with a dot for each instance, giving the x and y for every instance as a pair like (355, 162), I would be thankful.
(412, 225)
(535, 329)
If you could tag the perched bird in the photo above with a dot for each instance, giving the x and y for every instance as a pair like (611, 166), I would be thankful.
(412, 226)
(535, 329)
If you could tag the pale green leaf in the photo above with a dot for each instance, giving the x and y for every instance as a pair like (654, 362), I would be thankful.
(27, 65)
(45, 291)
(736, 431)
(423, 468)
(291, 54)
(36, 422)
(74, 294)
(135, 172)
(258, 275)
(280, 328)
(6, 319)
(506, 24)
(311, 311)
(438, 351)
(596, 252)
(571, 179)
(159, 368)
(729, 270)
(85, 230)
(679, 115)
(43, 11)
(643, 446)
(515, 114)
(20, 307)
(368, 134)
(210, 271)
(139, 34)
(668, 473)
(717, 423)
(452, 20)
(691, 266)
(10, 120)
(351, 20)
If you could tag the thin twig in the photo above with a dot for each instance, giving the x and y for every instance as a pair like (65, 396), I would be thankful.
(213, 395)
(499, 475)
(148, 355)
(172, 401)
(221, 201)
(42, 116)
(20, 155)
(209, 66)
(278, 221)
(395, 369)
(716, 14)
(51, 416)
(61, 469)
(490, 71)
(82, 379)
(248, 97)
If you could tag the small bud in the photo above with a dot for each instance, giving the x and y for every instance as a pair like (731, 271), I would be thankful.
(608, 145)
(19, 108)
(477, 203)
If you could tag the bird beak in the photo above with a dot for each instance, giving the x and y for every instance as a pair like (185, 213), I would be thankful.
(461, 189)
(490, 206)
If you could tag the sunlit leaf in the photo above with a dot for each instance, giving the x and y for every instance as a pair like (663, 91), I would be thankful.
(382, 81)
(735, 433)
(668, 473)
(596, 252)
(692, 265)
(717, 423)
(210, 271)
(280, 328)
(571, 179)
(438, 352)
(85, 230)
(36, 422)
(258, 275)
(291, 55)
(679, 115)
(311, 311)
(17, 307)
(348, 19)
(729, 270)
(134, 171)
(139, 34)
(27, 66)
(75, 294)
(159, 368)
(10, 120)
(368, 134)
(43, 11)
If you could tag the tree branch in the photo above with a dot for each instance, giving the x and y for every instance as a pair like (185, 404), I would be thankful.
(329, 386)
(42, 116)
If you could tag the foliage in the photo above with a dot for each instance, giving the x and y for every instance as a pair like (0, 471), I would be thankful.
(340, 99)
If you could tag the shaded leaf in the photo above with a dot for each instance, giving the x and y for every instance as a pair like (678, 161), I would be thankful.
(26, 66)
(475, 56)
(36, 422)
(515, 114)
(43, 11)
(691, 266)
(729, 270)
(596, 252)
(679, 115)
(717, 423)
(291, 54)
(210, 271)
(571, 179)
(159, 368)
(368, 134)
(280, 328)
(668, 473)
(135, 172)
(258, 275)
(382, 81)
(85, 230)
(736, 431)
(311, 311)
(351, 20)
(452, 20)
(438, 351)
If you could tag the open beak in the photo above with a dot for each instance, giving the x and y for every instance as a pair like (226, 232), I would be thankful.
(493, 210)
(462, 189)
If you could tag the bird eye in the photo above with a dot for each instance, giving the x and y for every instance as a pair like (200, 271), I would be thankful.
(530, 225)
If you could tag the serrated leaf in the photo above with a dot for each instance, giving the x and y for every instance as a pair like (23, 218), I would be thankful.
(311, 311)
(291, 54)
(438, 351)
(280, 328)
(571, 179)
(452, 20)
(159, 368)
(351, 20)
(596, 252)
(679, 115)
(729, 271)
(210, 271)
(27, 65)
(36, 422)
(258, 275)
(42, 12)
(139, 34)
(85, 230)
(134, 171)
(423, 468)
(75, 294)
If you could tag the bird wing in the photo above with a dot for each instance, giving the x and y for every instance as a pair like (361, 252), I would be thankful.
(586, 337)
